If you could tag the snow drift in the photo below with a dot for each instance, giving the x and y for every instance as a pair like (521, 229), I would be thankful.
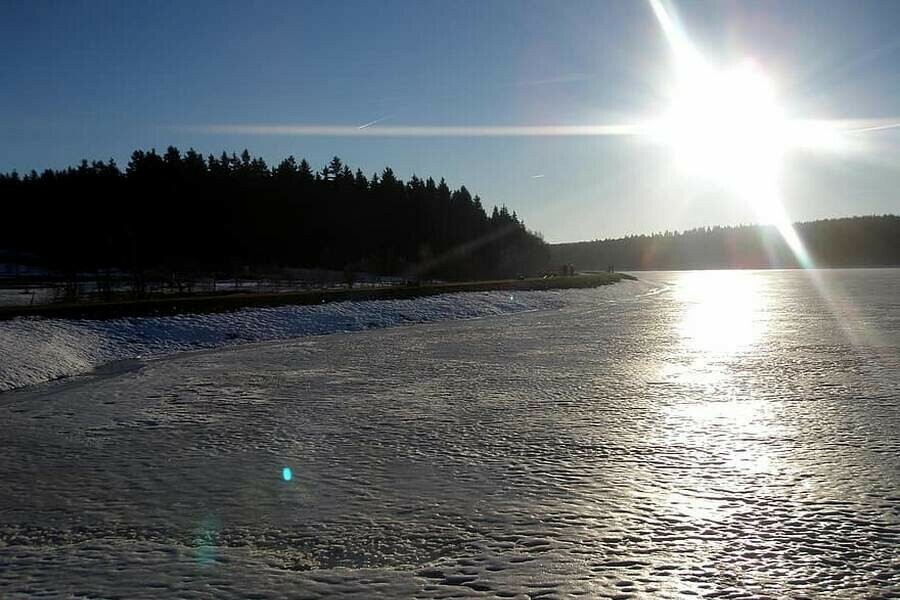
(38, 350)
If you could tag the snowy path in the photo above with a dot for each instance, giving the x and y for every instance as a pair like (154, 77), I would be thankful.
(597, 450)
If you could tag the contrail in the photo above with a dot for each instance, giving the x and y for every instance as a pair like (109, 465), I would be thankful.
(423, 131)
(370, 123)
(568, 78)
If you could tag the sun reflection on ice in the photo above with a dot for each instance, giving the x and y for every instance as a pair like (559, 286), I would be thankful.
(720, 315)
(724, 312)
(732, 444)
(728, 430)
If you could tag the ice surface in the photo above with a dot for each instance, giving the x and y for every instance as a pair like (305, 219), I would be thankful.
(614, 447)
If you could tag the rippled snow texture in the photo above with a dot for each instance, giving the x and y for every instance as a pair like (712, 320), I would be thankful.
(617, 447)
(37, 350)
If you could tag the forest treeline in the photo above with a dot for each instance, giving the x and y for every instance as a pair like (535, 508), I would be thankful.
(185, 212)
(869, 241)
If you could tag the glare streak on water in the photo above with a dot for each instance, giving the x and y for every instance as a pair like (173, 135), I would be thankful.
(721, 434)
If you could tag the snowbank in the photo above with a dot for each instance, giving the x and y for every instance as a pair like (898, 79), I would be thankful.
(33, 351)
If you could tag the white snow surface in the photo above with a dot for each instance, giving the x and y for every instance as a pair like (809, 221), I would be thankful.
(38, 350)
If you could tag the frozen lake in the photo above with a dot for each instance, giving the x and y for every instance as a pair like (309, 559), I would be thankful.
(726, 434)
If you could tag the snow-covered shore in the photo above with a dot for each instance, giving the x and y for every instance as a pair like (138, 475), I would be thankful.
(38, 350)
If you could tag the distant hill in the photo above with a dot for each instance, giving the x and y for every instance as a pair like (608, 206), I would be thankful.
(870, 241)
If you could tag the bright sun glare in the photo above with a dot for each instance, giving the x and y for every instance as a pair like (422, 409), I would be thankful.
(725, 124)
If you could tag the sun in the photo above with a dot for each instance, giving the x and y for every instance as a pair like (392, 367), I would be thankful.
(728, 125)
(724, 124)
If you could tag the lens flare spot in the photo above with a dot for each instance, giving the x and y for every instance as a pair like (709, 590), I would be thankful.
(287, 474)
(206, 541)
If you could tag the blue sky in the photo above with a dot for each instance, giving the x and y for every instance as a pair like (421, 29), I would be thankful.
(98, 79)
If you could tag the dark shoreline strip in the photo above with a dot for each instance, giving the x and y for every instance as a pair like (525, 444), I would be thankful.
(235, 301)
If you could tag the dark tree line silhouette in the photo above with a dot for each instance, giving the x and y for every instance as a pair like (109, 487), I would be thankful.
(869, 241)
(185, 212)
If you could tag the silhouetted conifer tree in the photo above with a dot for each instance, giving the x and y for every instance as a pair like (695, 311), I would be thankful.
(180, 212)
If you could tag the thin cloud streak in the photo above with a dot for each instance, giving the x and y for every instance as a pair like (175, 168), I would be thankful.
(636, 128)
(422, 131)
(876, 128)
(851, 125)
